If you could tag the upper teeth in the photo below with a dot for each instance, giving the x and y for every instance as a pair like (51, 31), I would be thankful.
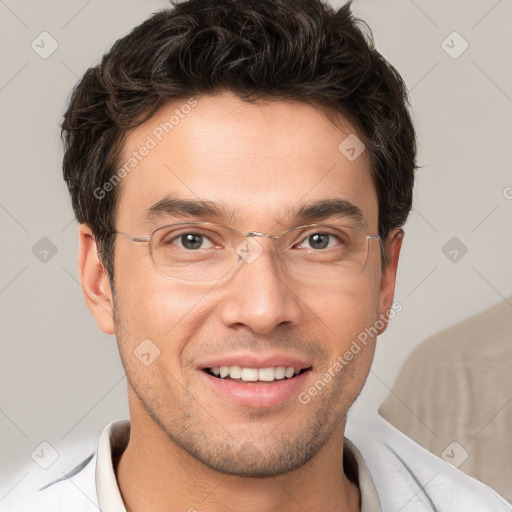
(255, 374)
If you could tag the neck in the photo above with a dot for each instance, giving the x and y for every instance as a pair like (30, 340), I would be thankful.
(155, 474)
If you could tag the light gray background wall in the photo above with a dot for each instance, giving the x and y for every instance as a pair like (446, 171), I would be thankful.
(61, 378)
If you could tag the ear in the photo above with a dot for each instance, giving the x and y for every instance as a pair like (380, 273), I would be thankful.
(393, 244)
(95, 282)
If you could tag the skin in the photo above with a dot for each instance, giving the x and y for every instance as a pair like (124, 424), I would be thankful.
(189, 448)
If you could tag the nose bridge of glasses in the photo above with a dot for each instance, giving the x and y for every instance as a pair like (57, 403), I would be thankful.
(260, 235)
(248, 249)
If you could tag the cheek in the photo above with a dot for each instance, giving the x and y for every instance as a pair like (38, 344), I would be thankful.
(351, 317)
(345, 309)
(153, 336)
(154, 307)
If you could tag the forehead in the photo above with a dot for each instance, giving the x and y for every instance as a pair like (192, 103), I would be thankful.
(259, 161)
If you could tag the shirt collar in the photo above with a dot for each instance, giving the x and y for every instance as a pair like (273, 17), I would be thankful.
(113, 442)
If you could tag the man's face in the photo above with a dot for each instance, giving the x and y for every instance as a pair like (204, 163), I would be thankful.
(259, 163)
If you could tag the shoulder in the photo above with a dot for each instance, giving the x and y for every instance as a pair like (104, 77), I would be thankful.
(409, 478)
(75, 491)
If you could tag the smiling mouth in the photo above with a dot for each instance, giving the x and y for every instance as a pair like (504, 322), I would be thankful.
(269, 374)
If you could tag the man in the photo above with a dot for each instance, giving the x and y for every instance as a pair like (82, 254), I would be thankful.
(241, 171)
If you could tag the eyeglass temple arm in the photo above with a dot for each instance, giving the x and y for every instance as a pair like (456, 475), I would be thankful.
(133, 238)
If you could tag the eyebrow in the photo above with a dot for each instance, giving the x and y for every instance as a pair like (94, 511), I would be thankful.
(171, 206)
(327, 208)
(312, 212)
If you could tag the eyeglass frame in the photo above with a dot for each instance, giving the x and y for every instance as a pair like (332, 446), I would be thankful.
(147, 239)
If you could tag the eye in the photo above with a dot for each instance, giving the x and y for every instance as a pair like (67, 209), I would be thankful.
(319, 241)
(192, 241)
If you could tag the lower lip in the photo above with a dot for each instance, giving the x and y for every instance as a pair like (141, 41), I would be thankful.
(257, 394)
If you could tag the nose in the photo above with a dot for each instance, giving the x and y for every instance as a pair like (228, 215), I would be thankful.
(259, 296)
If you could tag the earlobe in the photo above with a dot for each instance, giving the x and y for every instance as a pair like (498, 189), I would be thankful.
(388, 278)
(95, 283)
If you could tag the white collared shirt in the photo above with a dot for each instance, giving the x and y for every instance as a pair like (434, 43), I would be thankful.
(393, 473)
